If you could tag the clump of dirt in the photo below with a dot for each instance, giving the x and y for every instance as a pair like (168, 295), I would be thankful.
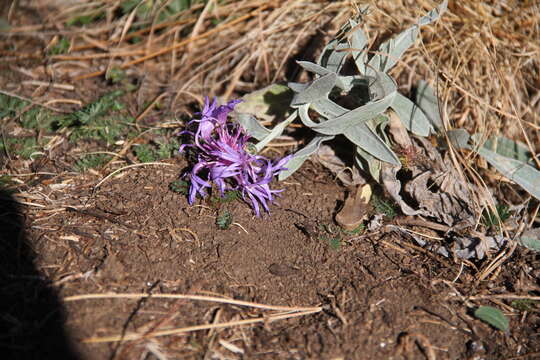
(133, 234)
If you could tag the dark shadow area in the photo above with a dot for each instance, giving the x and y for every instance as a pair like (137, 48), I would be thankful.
(31, 315)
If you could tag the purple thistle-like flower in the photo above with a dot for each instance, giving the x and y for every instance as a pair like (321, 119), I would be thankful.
(222, 159)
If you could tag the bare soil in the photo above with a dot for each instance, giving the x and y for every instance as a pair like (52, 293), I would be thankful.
(380, 298)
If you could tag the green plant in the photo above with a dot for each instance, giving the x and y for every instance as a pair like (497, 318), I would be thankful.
(144, 153)
(115, 75)
(384, 206)
(23, 147)
(331, 234)
(90, 161)
(491, 219)
(359, 230)
(10, 106)
(511, 158)
(86, 18)
(224, 220)
(34, 117)
(352, 105)
(92, 111)
(104, 128)
(38, 118)
(179, 186)
(61, 47)
(525, 305)
(159, 151)
(228, 196)
(5, 182)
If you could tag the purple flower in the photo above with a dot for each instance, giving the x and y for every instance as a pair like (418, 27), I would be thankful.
(223, 159)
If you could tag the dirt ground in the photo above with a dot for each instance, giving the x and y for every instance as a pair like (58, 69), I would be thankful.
(379, 298)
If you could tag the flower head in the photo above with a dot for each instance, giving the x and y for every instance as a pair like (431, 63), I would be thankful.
(223, 159)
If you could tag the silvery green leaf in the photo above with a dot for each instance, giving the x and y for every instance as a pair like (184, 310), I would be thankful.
(320, 71)
(411, 116)
(522, 173)
(328, 108)
(459, 138)
(368, 163)
(302, 155)
(276, 131)
(392, 50)
(428, 102)
(333, 55)
(363, 113)
(252, 126)
(509, 148)
(314, 68)
(297, 87)
(318, 89)
(433, 14)
(303, 112)
(365, 138)
(358, 42)
(531, 239)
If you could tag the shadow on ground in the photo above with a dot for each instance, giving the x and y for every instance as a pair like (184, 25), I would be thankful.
(31, 316)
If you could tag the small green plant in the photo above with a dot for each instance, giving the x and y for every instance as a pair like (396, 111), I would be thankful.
(105, 128)
(10, 106)
(33, 118)
(228, 197)
(179, 186)
(61, 47)
(91, 161)
(224, 220)
(331, 234)
(383, 206)
(91, 112)
(38, 118)
(145, 153)
(86, 18)
(359, 230)
(23, 147)
(162, 150)
(115, 75)
(525, 305)
(490, 219)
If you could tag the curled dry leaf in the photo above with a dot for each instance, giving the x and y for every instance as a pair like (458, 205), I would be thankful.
(355, 209)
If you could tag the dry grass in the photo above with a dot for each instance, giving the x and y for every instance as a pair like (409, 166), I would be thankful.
(482, 55)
